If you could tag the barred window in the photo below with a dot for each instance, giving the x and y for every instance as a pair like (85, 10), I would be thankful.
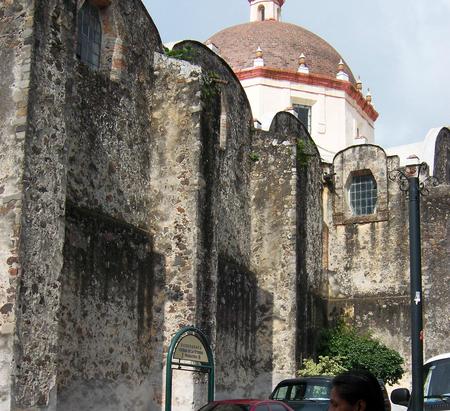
(89, 35)
(363, 194)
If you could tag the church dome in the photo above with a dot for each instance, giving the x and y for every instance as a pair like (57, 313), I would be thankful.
(281, 45)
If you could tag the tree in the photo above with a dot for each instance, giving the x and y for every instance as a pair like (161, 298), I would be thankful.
(356, 350)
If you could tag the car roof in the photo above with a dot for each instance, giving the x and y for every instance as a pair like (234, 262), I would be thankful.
(439, 357)
(326, 378)
(243, 401)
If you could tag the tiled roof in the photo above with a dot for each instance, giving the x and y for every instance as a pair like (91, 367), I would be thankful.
(281, 43)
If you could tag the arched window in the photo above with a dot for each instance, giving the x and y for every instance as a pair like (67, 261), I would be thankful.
(89, 35)
(363, 194)
(261, 13)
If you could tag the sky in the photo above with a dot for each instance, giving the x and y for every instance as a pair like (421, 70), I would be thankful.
(399, 48)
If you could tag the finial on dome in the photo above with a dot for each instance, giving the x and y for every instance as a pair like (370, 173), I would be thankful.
(302, 67)
(341, 74)
(258, 61)
(369, 96)
(359, 84)
(261, 10)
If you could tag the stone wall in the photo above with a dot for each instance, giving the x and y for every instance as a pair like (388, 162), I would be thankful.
(442, 156)
(287, 251)
(226, 287)
(435, 223)
(87, 145)
(368, 265)
(16, 34)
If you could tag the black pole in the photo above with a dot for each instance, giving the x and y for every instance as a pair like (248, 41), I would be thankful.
(416, 294)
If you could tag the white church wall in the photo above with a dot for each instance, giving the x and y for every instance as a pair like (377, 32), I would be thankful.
(336, 120)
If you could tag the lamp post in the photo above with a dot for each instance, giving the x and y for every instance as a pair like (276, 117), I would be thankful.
(414, 180)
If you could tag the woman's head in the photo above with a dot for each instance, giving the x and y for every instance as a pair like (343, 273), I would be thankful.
(356, 390)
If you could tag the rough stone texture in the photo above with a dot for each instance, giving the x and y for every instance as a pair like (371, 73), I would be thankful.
(16, 35)
(286, 221)
(435, 215)
(137, 199)
(369, 290)
(106, 317)
(368, 256)
(175, 184)
(442, 157)
(64, 93)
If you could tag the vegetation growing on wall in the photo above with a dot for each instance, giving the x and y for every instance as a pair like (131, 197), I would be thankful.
(185, 53)
(352, 349)
(303, 152)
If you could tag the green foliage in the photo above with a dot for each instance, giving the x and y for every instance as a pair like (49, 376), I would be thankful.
(303, 152)
(185, 53)
(325, 366)
(253, 156)
(209, 85)
(361, 351)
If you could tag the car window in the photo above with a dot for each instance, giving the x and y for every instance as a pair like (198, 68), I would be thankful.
(316, 391)
(262, 408)
(280, 393)
(297, 392)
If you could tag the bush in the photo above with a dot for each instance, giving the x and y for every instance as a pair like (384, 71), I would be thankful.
(325, 366)
(356, 350)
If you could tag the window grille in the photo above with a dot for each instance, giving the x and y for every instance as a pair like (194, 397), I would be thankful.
(304, 115)
(363, 194)
(89, 35)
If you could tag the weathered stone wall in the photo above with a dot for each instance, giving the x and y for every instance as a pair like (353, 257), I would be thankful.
(368, 265)
(369, 256)
(311, 280)
(287, 251)
(16, 35)
(174, 202)
(442, 157)
(226, 287)
(274, 237)
(435, 223)
(88, 144)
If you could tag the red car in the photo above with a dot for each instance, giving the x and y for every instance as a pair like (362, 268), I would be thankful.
(246, 405)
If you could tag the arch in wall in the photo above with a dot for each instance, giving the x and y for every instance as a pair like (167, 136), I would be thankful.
(261, 13)
(111, 49)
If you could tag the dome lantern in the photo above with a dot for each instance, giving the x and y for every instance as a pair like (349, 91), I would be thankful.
(261, 10)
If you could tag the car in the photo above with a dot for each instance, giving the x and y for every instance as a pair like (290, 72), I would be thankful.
(312, 393)
(436, 387)
(246, 405)
(305, 393)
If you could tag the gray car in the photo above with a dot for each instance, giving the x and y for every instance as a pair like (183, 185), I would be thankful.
(312, 393)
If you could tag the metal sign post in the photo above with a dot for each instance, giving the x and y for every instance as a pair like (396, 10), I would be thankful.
(191, 348)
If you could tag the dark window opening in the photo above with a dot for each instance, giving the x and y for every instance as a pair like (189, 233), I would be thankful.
(304, 115)
(89, 35)
(261, 13)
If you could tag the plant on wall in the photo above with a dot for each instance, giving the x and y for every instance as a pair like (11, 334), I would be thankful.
(353, 349)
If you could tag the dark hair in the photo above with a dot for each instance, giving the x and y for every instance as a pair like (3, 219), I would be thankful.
(357, 385)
